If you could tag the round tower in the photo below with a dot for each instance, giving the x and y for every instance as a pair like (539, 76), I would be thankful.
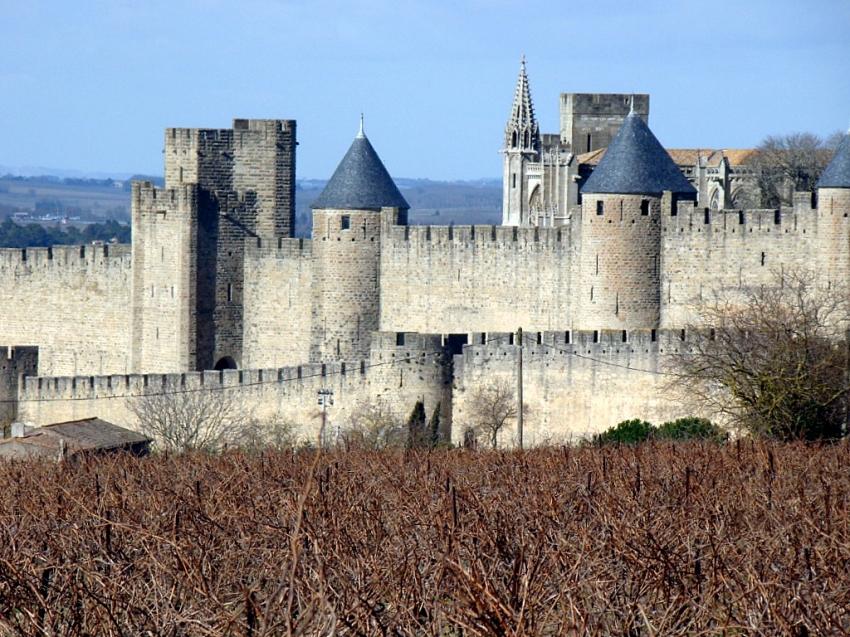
(620, 247)
(348, 217)
(833, 201)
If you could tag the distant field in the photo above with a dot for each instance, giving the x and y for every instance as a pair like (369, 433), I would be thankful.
(744, 538)
(45, 199)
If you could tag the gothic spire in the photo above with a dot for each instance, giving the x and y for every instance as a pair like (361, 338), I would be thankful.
(522, 131)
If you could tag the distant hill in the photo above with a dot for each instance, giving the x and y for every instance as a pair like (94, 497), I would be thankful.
(53, 198)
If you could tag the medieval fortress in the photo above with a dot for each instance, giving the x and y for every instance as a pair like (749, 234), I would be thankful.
(607, 242)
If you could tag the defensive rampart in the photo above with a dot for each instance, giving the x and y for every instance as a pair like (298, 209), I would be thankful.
(402, 369)
(703, 251)
(277, 302)
(72, 302)
(574, 383)
(458, 279)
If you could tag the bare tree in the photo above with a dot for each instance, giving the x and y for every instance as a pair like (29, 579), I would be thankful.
(771, 360)
(787, 163)
(373, 426)
(194, 420)
(275, 433)
(493, 405)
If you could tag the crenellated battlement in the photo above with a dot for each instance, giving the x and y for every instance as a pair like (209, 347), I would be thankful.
(477, 235)
(104, 255)
(148, 199)
(281, 248)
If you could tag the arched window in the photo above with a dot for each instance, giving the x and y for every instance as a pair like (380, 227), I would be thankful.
(527, 140)
(513, 139)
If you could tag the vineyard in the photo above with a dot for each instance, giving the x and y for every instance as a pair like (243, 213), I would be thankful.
(657, 539)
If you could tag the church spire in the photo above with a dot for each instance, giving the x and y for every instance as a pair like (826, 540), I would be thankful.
(522, 132)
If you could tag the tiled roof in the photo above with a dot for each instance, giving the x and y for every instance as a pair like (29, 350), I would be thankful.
(636, 163)
(360, 182)
(837, 172)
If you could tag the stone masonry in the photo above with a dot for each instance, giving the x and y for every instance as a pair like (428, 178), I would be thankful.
(215, 294)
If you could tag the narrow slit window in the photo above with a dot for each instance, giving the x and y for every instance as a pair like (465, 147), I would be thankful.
(513, 180)
(762, 258)
(600, 207)
(229, 292)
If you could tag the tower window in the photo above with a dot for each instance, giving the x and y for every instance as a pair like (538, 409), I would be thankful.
(644, 207)
(589, 140)
(600, 207)
(513, 180)
(762, 258)
(346, 222)
(513, 139)
(229, 292)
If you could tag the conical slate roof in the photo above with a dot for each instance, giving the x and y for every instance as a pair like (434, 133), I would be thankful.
(635, 163)
(837, 173)
(360, 182)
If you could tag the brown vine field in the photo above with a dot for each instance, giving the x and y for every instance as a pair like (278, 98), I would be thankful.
(660, 539)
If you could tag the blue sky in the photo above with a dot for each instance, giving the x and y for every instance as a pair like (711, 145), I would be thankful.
(92, 85)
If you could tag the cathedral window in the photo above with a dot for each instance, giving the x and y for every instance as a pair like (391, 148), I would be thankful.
(600, 207)
(513, 139)
(513, 180)
(346, 222)
(644, 207)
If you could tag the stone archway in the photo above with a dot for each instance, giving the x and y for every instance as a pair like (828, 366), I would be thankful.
(225, 362)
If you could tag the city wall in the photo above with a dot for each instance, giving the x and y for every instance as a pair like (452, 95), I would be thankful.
(73, 302)
(574, 383)
(459, 279)
(277, 303)
(705, 252)
(395, 377)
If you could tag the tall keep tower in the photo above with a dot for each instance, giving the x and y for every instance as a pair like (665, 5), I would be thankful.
(348, 218)
(621, 230)
(522, 146)
(222, 186)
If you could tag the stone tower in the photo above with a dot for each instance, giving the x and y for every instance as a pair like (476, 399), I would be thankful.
(620, 246)
(15, 364)
(348, 219)
(833, 196)
(522, 147)
(189, 268)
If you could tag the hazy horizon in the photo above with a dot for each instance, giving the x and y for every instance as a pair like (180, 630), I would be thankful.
(90, 89)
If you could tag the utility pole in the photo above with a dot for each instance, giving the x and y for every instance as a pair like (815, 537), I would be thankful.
(326, 397)
(519, 422)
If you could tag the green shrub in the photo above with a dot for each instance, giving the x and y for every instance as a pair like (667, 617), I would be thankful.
(690, 428)
(628, 432)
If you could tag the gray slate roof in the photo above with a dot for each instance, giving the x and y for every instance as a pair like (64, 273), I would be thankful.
(361, 182)
(636, 163)
(837, 173)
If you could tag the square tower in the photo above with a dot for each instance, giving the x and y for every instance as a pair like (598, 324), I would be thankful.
(590, 120)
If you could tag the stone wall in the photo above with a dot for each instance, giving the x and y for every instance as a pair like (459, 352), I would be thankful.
(73, 302)
(278, 303)
(575, 383)
(464, 279)
(401, 370)
(705, 251)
